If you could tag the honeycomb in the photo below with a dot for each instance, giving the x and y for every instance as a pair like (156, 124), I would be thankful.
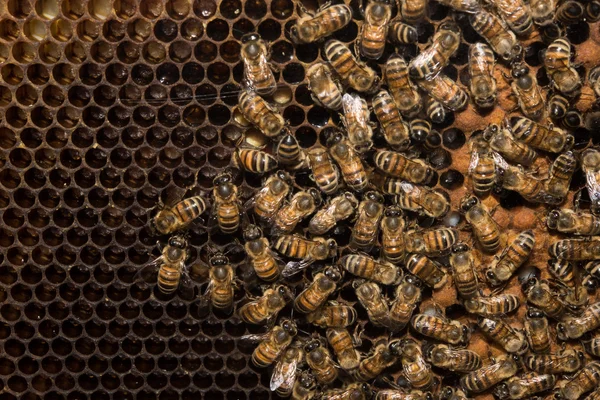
(107, 105)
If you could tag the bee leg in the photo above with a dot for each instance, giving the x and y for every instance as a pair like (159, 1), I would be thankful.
(315, 99)
(324, 6)
(357, 335)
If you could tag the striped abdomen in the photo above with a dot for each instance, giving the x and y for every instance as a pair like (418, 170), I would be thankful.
(340, 58)
(395, 130)
(258, 112)
(266, 267)
(292, 246)
(228, 217)
(315, 294)
(561, 172)
(426, 270)
(484, 175)
(413, 10)
(330, 20)
(372, 41)
(325, 173)
(485, 229)
(168, 278)
(516, 14)
(256, 161)
(259, 75)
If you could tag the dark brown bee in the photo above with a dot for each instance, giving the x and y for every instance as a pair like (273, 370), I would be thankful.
(492, 306)
(402, 33)
(463, 271)
(382, 355)
(527, 91)
(317, 292)
(559, 177)
(434, 110)
(516, 14)
(569, 12)
(416, 370)
(270, 197)
(374, 31)
(576, 327)
(320, 362)
(305, 387)
(427, 270)
(289, 152)
(539, 294)
(536, 330)
(590, 164)
(403, 91)
(325, 173)
(481, 68)
(392, 234)
(370, 297)
(337, 209)
(563, 76)
(309, 250)
(353, 170)
(254, 160)
(511, 340)
(408, 296)
(446, 91)
(430, 62)
(484, 378)
(430, 242)
(567, 362)
(493, 30)
(262, 258)
(273, 343)
(585, 380)
(542, 11)
(366, 228)
(482, 168)
(343, 346)
(399, 166)
(261, 114)
(353, 391)
(366, 267)
(333, 315)
(456, 360)
(257, 71)
(311, 27)
(326, 90)
(226, 205)
(512, 257)
(553, 140)
(286, 370)
(575, 249)
(485, 229)
(356, 121)
(179, 216)
(441, 328)
(423, 200)
(573, 222)
(558, 105)
(266, 307)
(300, 206)
(524, 386)
(502, 141)
(592, 345)
(355, 73)
(398, 394)
(395, 131)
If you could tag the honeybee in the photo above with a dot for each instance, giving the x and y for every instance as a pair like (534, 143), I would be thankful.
(516, 14)
(573, 119)
(262, 258)
(492, 306)
(542, 11)
(333, 316)
(427, 270)
(353, 391)
(309, 250)
(413, 10)
(366, 267)
(527, 186)
(374, 30)
(261, 114)
(392, 234)
(221, 282)
(270, 197)
(289, 152)
(356, 121)
(266, 307)
(446, 91)
(366, 227)
(482, 168)
(559, 178)
(429, 63)
(585, 380)
(567, 362)
(511, 340)
(402, 33)
(449, 393)
(564, 77)
(590, 164)
(570, 291)
(594, 79)
(179, 216)
(435, 112)
(300, 206)
(257, 71)
(463, 270)
(320, 362)
(593, 269)
(592, 345)
(441, 328)
(395, 131)
(351, 166)
(430, 242)
(403, 91)
(226, 205)
(485, 229)
(484, 378)
(254, 160)
(539, 294)
(316, 294)
(573, 222)
(575, 327)
(305, 387)
(575, 249)
(343, 346)
(416, 370)
(553, 140)
(525, 88)
(569, 12)
(325, 173)
(493, 30)
(511, 259)
(355, 73)
(285, 371)
(420, 199)
(558, 106)
(502, 141)
(382, 355)
(408, 295)
(397, 394)
(399, 166)
(370, 297)
(524, 386)
(326, 91)
(481, 68)
(311, 27)
(536, 329)
(337, 209)
(444, 356)
(273, 343)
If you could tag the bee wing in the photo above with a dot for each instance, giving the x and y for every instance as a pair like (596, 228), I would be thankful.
(173, 195)
(284, 373)
(293, 267)
(149, 273)
(186, 286)
(427, 57)
(474, 161)
(256, 337)
(593, 186)
(500, 161)
(354, 107)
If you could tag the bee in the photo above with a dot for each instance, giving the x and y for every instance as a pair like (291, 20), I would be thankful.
(511, 259)
(264, 116)
(413, 11)
(300, 206)
(403, 91)
(530, 188)
(449, 393)
(408, 295)
(343, 346)
(536, 329)
(325, 173)
(590, 164)
(558, 106)
(226, 203)
(524, 386)
(374, 30)
(326, 90)
(463, 270)
(366, 267)
(575, 249)
(570, 291)
(539, 295)
(575, 327)
(553, 140)
(559, 178)
(399, 166)
(305, 387)
(420, 199)
(446, 91)
(573, 119)
(254, 160)
(311, 27)
(274, 343)
(356, 121)
(592, 345)
(262, 258)
(333, 316)
(585, 380)
(286, 370)
(355, 73)
(435, 112)
(502, 141)
(402, 33)
(482, 167)
(370, 297)
(392, 234)
(309, 250)
(320, 362)
(179, 216)
(427, 270)
(353, 170)
(481, 68)
(511, 340)
(493, 30)
(395, 131)
(593, 269)
(525, 88)
(337, 209)
(563, 76)
(353, 391)
(542, 11)
(257, 71)
(492, 306)
(444, 356)
(416, 370)
(504, 367)
(397, 394)
(441, 328)
(366, 228)
(289, 152)
(430, 242)
(316, 294)
(270, 197)
(266, 307)
(574, 222)
(516, 14)
(594, 79)
(567, 362)
(570, 12)
(382, 355)
(485, 229)
(429, 63)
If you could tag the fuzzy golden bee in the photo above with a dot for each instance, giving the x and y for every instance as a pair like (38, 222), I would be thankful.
(374, 31)
(400, 394)
(226, 205)
(430, 242)
(427, 270)
(370, 297)
(320, 362)
(567, 362)
(286, 370)
(337, 209)
(311, 27)
(351, 165)
(270, 197)
(289, 152)
(485, 229)
(524, 386)
(482, 167)
(408, 296)
(355, 73)
(563, 76)
(392, 234)
(402, 33)
(309, 250)
(446, 91)
(403, 91)
(356, 121)
(429, 63)
(481, 68)
(560, 175)
(366, 267)
(178, 217)
(300, 206)
(273, 343)
(576, 327)
(416, 370)
(494, 31)
(463, 272)
(325, 173)
(343, 346)
(221, 282)
(516, 14)
(395, 131)
(587, 379)
(573, 222)
(484, 378)
(499, 331)
(423, 200)
(502, 141)
(512, 257)
(352, 391)
(536, 330)
(553, 140)
(368, 217)
(257, 71)
(590, 164)
(333, 315)
(384, 354)
(594, 79)
(492, 306)
(265, 308)
(262, 258)
(438, 327)
(264, 116)
(456, 360)
(317, 292)
(541, 296)
(413, 11)
(528, 93)
(325, 89)
(254, 160)
(575, 249)
(592, 345)
(305, 387)
(532, 190)
(399, 166)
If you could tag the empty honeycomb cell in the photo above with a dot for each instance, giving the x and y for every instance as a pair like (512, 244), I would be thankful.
(167, 363)
(144, 116)
(85, 178)
(13, 218)
(24, 198)
(65, 74)
(582, 138)
(170, 157)
(74, 197)
(16, 117)
(294, 115)
(83, 311)
(45, 292)
(70, 158)
(57, 137)
(88, 30)
(52, 236)
(217, 30)
(169, 115)
(154, 52)
(87, 381)
(247, 379)
(21, 293)
(68, 291)
(79, 274)
(42, 117)
(31, 274)
(206, 94)
(93, 292)
(61, 30)
(578, 33)
(218, 115)
(5, 331)
(28, 236)
(8, 138)
(60, 178)
(155, 95)
(181, 94)
(205, 51)
(65, 381)
(14, 348)
(72, 329)
(50, 52)
(75, 52)
(98, 329)
(142, 74)
(28, 366)
(102, 52)
(42, 255)
(20, 158)
(17, 256)
(9, 30)
(52, 365)
(11, 74)
(25, 330)
(114, 30)
(17, 384)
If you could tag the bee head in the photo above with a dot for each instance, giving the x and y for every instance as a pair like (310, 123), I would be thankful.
(366, 389)
(393, 212)
(413, 280)
(501, 391)
(178, 242)
(378, 9)
(284, 292)
(533, 312)
(334, 273)
(312, 345)
(374, 196)
(307, 380)
(252, 47)
(218, 259)
(333, 136)
(250, 37)
(396, 346)
(491, 276)
(220, 179)
(316, 196)
(590, 283)
(252, 232)
(468, 203)
(519, 70)
(552, 220)
(529, 284)
(460, 248)
(446, 393)
(290, 327)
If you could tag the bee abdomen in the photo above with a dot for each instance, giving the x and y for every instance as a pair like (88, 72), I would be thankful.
(228, 217)
(168, 279)
(256, 161)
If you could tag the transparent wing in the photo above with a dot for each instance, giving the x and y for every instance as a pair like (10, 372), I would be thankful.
(500, 161)
(427, 57)
(256, 337)
(186, 286)
(468, 6)
(172, 195)
(408, 187)
(293, 267)
(474, 161)
(284, 373)
(149, 273)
